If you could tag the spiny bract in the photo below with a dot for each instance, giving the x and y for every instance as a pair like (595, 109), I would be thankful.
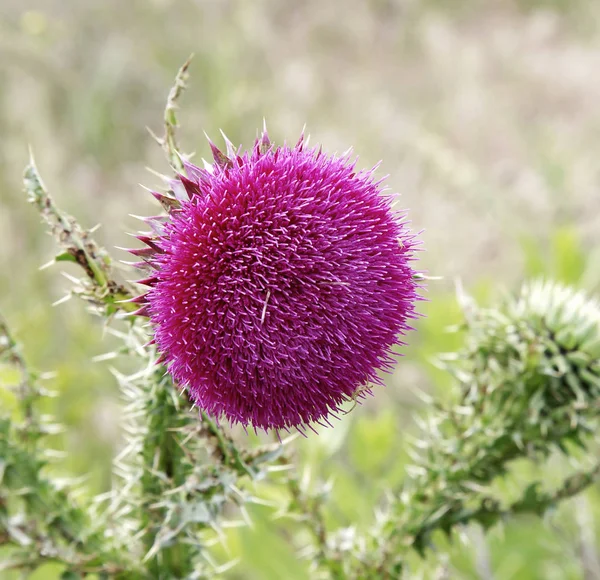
(281, 280)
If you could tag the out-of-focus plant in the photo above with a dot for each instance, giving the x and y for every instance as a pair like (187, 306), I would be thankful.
(527, 384)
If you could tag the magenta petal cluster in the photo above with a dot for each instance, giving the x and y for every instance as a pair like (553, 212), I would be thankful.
(281, 281)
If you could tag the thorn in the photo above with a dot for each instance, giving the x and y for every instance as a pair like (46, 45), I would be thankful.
(182, 157)
(164, 178)
(151, 281)
(421, 276)
(149, 241)
(141, 299)
(145, 188)
(264, 143)
(154, 136)
(178, 190)
(31, 158)
(143, 265)
(129, 263)
(70, 278)
(220, 159)
(186, 64)
(191, 187)
(138, 217)
(105, 356)
(143, 311)
(139, 252)
(62, 300)
(300, 143)
(168, 203)
(192, 171)
(466, 302)
(230, 148)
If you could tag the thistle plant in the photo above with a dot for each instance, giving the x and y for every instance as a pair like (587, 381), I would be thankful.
(278, 281)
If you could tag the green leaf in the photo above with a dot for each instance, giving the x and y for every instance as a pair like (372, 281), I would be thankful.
(65, 257)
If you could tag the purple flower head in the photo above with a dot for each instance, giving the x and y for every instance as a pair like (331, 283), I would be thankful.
(281, 280)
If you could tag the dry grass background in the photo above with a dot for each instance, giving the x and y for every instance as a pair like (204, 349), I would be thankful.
(486, 116)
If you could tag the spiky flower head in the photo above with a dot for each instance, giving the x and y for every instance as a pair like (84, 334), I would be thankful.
(281, 280)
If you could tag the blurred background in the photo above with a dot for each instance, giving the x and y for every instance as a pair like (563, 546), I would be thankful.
(486, 116)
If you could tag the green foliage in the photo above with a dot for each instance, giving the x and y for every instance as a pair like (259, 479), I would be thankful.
(526, 383)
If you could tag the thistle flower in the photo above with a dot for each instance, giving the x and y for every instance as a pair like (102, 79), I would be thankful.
(281, 280)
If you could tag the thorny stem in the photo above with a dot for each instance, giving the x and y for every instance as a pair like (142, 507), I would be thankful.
(62, 226)
(489, 510)
(445, 503)
(79, 247)
(162, 461)
(230, 454)
(168, 141)
(44, 552)
(28, 390)
(532, 501)
(310, 507)
(54, 528)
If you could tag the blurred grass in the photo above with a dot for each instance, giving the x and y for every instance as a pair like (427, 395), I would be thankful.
(486, 117)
